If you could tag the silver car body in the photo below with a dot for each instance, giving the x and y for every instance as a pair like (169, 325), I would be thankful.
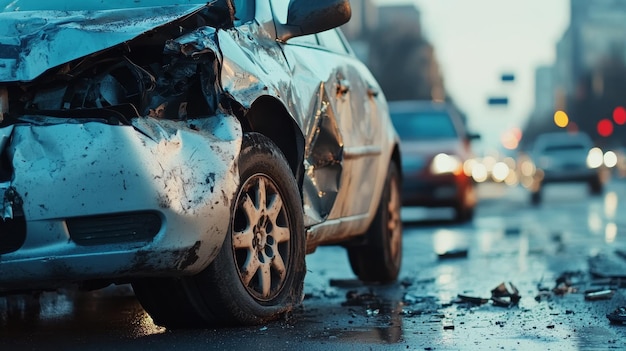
(66, 176)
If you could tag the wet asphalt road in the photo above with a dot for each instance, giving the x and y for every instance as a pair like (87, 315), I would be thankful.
(570, 236)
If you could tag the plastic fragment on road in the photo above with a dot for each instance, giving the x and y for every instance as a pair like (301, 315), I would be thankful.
(618, 316)
(472, 299)
(505, 295)
(455, 253)
(599, 294)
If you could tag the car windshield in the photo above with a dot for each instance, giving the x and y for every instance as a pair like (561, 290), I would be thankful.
(564, 147)
(423, 125)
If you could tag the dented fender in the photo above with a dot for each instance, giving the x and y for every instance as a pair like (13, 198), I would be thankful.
(184, 171)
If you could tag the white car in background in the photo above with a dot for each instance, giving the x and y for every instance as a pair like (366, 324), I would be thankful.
(561, 157)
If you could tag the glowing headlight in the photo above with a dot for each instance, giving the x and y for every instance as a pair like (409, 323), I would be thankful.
(479, 173)
(500, 172)
(444, 163)
(610, 159)
(595, 158)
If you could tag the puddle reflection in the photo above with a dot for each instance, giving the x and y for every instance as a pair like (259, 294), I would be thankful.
(610, 232)
(610, 205)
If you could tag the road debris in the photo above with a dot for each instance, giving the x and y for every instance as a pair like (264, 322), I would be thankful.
(607, 265)
(472, 299)
(505, 295)
(599, 294)
(454, 253)
(618, 316)
(566, 282)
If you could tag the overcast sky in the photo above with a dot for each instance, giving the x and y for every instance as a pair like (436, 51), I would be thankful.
(477, 40)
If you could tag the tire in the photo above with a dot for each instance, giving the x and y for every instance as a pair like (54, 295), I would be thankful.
(463, 214)
(535, 197)
(258, 274)
(595, 186)
(378, 258)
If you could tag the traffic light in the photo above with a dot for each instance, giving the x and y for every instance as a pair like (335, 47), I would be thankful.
(619, 115)
(605, 127)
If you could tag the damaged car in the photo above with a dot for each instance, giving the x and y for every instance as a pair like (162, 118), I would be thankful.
(195, 150)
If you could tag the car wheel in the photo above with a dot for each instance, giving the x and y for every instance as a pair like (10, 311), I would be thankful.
(595, 186)
(462, 213)
(258, 274)
(378, 258)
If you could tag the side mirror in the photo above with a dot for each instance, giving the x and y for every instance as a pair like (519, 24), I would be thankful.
(306, 17)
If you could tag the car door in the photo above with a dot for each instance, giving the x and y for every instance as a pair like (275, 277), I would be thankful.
(343, 142)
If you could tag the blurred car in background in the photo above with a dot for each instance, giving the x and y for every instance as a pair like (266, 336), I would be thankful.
(565, 157)
(435, 146)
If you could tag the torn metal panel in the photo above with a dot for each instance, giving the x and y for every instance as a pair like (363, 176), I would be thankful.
(323, 159)
(250, 68)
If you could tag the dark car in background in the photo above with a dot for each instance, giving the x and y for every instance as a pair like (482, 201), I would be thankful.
(565, 157)
(435, 145)
(195, 150)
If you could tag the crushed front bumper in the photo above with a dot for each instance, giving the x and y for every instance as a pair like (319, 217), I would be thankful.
(89, 201)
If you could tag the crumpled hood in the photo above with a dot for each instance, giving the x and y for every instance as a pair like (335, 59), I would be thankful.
(32, 42)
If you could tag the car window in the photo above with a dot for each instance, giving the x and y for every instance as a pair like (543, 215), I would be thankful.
(331, 40)
(280, 9)
(564, 147)
(427, 125)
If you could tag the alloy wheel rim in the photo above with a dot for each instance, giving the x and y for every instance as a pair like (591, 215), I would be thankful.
(261, 238)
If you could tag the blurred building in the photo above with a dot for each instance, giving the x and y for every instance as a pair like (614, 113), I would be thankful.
(364, 20)
(596, 33)
(588, 78)
(544, 89)
(400, 15)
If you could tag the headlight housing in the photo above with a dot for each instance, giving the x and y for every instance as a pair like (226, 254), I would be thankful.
(443, 163)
